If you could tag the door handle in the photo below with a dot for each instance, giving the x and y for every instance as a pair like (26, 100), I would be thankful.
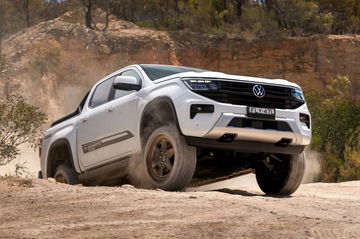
(83, 120)
(110, 109)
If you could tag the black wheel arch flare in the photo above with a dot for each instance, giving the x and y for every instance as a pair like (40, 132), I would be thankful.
(51, 161)
(154, 105)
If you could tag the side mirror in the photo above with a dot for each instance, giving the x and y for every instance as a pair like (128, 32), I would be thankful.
(126, 83)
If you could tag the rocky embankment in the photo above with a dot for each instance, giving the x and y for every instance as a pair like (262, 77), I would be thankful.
(54, 63)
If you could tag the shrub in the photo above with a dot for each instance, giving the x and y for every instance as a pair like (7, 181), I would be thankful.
(258, 23)
(299, 17)
(201, 16)
(20, 124)
(336, 130)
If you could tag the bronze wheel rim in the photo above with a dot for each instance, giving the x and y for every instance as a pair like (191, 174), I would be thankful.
(160, 158)
(60, 178)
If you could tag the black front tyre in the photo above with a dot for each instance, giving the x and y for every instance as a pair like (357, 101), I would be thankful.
(64, 174)
(170, 162)
(280, 174)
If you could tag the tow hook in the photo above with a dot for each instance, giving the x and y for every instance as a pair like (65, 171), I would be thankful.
(284, 142)
(227, 138)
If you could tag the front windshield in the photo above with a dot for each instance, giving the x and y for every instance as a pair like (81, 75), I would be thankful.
(155, 72)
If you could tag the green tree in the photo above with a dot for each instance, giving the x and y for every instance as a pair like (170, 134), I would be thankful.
(10, 19)
(336, 130)
(109, 6)
(346, 15)
(300, 16)
(20, 123)
(19, 14)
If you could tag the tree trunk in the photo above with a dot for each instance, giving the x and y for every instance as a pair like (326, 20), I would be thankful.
(176, 7)
(27, 12)
(106, 19)
(88, 16)
(269, 4)
(224, 5)
(239, 5)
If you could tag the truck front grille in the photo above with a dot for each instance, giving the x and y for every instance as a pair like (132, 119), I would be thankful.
(240, 93)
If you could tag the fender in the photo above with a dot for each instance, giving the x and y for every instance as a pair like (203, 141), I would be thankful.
(155, 102)
(67, 136)
(53, 146)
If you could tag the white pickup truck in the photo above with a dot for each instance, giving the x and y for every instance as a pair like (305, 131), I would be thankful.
(167, 125)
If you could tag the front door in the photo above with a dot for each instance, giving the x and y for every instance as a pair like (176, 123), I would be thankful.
(107, 133)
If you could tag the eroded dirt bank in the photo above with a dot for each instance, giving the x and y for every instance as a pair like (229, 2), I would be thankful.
(51, 210)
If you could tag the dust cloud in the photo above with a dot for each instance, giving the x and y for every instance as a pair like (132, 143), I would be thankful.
(29, 157)
(313, 162)
(55, 106)
(137, 172)
(313, 166)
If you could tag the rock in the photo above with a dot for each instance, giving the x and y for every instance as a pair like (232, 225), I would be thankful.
(127, 186)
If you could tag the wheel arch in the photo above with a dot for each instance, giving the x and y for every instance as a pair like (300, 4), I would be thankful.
(60, 152)
(156, 113)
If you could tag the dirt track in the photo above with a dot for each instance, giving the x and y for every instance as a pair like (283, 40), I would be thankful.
(51, 210)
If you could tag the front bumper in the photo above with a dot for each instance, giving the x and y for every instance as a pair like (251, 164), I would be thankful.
(253, 134)
(212, 126)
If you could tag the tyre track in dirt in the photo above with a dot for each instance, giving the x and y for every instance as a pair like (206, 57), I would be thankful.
(51, 210)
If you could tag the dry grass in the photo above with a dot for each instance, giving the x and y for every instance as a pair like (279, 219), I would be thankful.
(19, 182)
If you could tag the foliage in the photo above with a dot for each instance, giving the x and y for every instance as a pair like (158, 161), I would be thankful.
(336, 130)
(301, 17)
(339, 86)
(253, 18)
(20, 169)
(258, 23)
(200, 16)
(20, 124)
(18, 181)
(346, 15)
(16, 15)
(244, 17)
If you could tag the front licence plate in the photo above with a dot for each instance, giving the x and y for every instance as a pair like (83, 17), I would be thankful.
(257, 112)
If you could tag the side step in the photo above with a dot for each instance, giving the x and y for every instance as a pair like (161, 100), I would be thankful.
(117, 169)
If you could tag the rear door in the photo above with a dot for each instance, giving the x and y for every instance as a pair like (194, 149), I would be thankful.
(107, 132)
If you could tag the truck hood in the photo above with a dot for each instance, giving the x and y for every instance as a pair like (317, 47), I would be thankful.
(223, 76)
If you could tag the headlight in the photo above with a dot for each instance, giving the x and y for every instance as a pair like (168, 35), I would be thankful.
(201, 84)
(297, 94)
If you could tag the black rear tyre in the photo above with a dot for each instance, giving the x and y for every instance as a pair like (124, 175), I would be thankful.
(170, 162)
(66, 175)
(280, 174)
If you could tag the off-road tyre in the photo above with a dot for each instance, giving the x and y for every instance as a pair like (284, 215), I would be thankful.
(170, 163)
(64, 174)
(279, 174)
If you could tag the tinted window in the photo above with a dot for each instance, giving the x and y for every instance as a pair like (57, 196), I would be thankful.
(155, 72)
(101, 94)
(121, 93)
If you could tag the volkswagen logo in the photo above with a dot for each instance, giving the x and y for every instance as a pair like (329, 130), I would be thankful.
(259, 91)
